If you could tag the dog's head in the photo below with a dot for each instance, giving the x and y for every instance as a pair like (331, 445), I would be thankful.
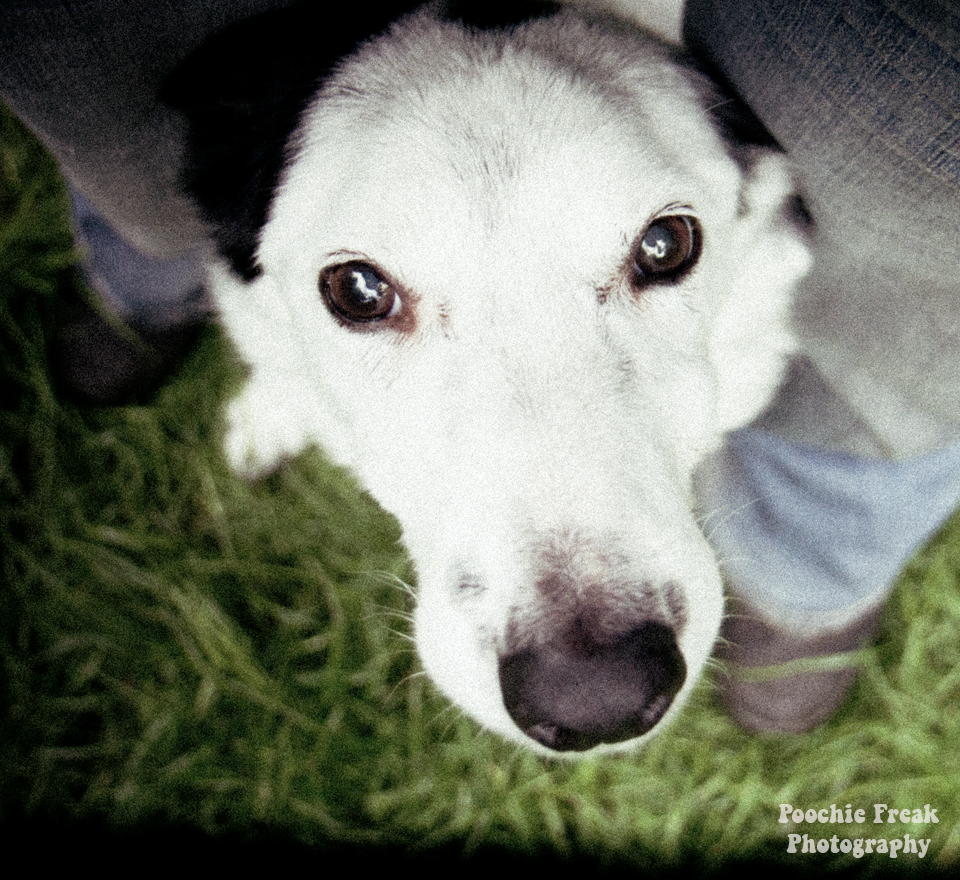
(516, 282)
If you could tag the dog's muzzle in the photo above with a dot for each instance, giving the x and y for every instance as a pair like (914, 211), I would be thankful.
(574, 698)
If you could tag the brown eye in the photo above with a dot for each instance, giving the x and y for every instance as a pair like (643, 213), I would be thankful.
(358, 293)
(667, 250)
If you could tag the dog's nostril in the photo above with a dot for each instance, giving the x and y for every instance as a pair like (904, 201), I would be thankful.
(570, 701)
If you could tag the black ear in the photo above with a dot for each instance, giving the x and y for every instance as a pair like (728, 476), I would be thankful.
(737, 123)
(741, 129)
(738, 126)
(243, 92)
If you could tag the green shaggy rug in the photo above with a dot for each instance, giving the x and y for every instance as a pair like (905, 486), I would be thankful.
(182, 650)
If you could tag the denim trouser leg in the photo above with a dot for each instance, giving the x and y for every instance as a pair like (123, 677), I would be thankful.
(865, 97)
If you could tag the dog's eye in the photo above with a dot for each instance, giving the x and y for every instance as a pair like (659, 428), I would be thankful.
(358, 293)
(667, 250)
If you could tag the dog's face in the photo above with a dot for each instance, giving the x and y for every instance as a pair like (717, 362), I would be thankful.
(518, 285)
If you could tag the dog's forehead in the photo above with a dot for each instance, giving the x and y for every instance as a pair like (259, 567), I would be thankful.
(435, 138)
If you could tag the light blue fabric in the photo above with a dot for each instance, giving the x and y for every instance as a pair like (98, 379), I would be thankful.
(809, 530)
(149, 292)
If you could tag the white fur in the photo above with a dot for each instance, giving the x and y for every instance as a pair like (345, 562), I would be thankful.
(536, 395)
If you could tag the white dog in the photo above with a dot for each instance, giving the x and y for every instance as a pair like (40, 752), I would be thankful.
(517, 282)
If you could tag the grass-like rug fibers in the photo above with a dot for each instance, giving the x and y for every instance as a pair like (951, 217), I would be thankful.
(181, 649)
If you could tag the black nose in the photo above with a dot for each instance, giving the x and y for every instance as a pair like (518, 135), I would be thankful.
(573, 700)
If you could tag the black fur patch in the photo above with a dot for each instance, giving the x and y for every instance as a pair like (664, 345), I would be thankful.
(244, 90)
(736, 123)
(742, 131)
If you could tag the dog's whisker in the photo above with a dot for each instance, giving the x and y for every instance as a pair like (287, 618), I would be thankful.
(389, 611)
(445, 725)
(718, 104)
(713, 662)
(390, 579)
(405, 682)
(406, 637)
(725, 514)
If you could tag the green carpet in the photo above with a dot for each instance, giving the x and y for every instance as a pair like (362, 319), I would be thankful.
(181, 648)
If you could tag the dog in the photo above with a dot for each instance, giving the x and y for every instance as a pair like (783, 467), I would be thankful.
(515, 277)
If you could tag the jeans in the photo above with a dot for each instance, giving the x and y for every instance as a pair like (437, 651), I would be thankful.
(858, 461)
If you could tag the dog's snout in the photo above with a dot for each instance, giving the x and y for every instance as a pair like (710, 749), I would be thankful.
(573, 700)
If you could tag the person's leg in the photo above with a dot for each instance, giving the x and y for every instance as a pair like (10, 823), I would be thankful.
(857, 463)
(84, 77)
(133, 317)
(862, 94)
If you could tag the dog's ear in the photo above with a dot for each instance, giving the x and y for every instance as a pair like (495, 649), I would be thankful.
(244, 90)
(738, 126)
(242, 93)
(745, 137)
(768, 255)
